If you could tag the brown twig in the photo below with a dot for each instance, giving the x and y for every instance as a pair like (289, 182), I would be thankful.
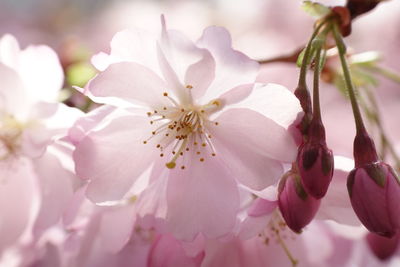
(290, 58)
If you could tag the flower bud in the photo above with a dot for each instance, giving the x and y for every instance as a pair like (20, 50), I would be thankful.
(358, 7)
(297, 207)
(315, 162)
(381, 246)
(374, 191)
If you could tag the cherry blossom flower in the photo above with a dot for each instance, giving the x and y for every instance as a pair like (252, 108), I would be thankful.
(193, 116)
(31, 120)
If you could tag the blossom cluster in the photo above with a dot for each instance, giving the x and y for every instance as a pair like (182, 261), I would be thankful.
(186, 161)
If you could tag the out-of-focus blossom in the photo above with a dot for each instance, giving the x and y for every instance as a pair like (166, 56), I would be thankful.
(194, 117)
(34, 183)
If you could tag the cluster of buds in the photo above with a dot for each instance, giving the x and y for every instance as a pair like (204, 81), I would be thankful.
(373, 185)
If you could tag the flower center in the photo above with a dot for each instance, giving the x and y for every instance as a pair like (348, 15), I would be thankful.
(183, 128)
(10, 133)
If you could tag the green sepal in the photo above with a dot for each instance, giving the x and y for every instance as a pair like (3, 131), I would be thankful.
(377, 174)
(327, 162)
(301, 193)
(316, 10)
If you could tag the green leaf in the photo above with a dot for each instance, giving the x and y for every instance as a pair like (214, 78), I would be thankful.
(299, 61)
(79, 74)
(366, 59)
(362, 78)
(341, 85)
(315, 9)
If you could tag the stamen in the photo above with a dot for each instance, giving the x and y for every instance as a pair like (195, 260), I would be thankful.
(171, 99)
(172, 163)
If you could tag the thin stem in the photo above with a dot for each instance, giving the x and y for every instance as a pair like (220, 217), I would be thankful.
(349, 85)
(316, 105)
(303, 69)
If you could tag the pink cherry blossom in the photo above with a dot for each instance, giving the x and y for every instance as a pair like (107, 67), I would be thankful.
(193, 116)
(31, 125)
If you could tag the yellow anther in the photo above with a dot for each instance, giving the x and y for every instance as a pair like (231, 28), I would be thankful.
(170, 165)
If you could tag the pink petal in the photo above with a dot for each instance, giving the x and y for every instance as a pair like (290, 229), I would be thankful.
(12, 101)
(232, 67)
(171, 78)
(131, 82)
(34, 141)
(273, 101)
(336, 203)
(153, 199)
(137, 46)
(262, 207)
(41, 72)
(259, 133)
(56, 190)
(114, 157)
(251, 144)
(116, 227)
(9, 51)
(200, 74)
(86, 123)
(179, 51)
(203, 198)
(168, 252)
(17, 199)
(236, 94)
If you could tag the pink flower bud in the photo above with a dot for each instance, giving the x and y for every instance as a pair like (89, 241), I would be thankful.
(381, 246)
(315, 162)
(374, 191)
(297, 207)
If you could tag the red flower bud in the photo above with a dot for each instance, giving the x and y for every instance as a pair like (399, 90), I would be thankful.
(315, 162)
(297, 207)
(381, 246)
(374, 191)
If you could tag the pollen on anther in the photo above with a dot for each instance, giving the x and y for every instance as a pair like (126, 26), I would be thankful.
(182, 167)
(161, 155)
(173, 152)
(144, 142)
(201, 159)
(189, 86)
(213, 154)
(170, 165)
(182, 109)
(149, 114)
(153, 133)
(181, 153)
(198, 152)
(195, 143)
(164, 108)
(158, 145)
(203, 144)
(187, 149)
(216, 123)
(165, 94)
